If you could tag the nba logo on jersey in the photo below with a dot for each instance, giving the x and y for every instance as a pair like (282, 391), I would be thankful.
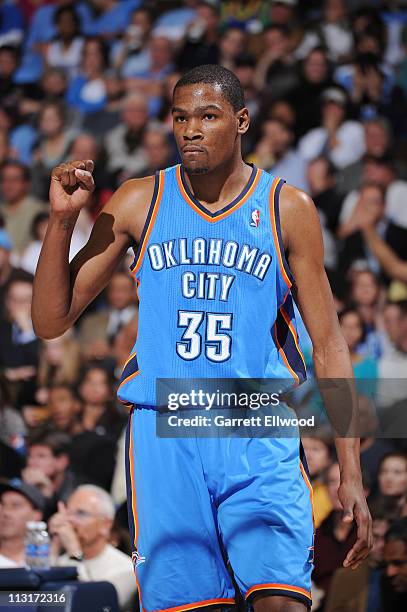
(255, 218)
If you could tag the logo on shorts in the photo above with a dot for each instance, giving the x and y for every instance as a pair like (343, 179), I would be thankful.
(137, 559)
(255, 218)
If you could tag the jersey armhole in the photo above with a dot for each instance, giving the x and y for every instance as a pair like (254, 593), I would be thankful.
(149, 224)
(276, 228)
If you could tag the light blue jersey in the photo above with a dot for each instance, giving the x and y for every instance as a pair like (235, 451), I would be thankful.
(214, 290)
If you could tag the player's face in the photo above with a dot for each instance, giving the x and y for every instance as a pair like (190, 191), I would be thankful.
(395, 556)
(206, 127)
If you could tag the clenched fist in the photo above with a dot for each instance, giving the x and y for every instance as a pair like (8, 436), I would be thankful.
(71, 187)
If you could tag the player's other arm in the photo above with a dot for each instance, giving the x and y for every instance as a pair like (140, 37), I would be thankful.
(330, 352)
(62, 290)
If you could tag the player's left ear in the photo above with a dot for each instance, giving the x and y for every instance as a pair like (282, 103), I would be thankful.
(243, 121)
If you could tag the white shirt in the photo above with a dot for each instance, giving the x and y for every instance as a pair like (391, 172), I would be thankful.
(350, 147)
(6, 562)
(111, 565)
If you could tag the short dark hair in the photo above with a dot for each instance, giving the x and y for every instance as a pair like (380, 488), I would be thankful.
(58, 442)
(398, 531)
(14, 163)
(212, 74)
(71, 11)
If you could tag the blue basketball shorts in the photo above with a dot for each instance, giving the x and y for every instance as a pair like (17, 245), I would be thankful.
(200, 505)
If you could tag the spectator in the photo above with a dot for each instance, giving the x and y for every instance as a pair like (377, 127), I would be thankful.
(87, 91)
(361, 588)
(126, 156)
(19, 504)
(245, 71)
(64, 408)
(59, 360)
(12, 434)
(48, 466)
(98, 330)
(333, 538)
(112, 17)
(82, 529)
(131, 56)
(276, 66)
(378, 141)
(392, 477)
(352, 218)
(99, 413)
(339, 137)
(157, 150)
(393, 362)
(274, 152)
(6, 268)
(201, 44)
(392, 265)
(66, 50)
(365, 293)
(19, 346)
(11, 25)
(335, 30)
(372, 91)
(102, 121)
(30, 256)
(395, 558)
(54, 140)
(41, 31)
(18, 207)
(314, 80)
(322, 187)
(150, 81)
(354, 333)
(174, 23)
(231, 47)
(319, 457)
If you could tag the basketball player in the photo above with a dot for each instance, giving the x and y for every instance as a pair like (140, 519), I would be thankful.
(216, 301)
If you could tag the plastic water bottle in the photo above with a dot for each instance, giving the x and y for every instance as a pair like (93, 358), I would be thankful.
(37, 545)
(43, 546)
(30, 546)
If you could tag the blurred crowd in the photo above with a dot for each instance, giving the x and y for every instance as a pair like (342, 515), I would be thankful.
(326, 86)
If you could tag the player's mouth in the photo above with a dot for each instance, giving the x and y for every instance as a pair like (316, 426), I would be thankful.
(193, 149)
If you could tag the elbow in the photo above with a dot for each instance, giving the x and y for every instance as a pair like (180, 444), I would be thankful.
(48, 330)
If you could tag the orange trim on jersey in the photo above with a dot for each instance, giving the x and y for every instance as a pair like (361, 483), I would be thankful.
(311, 491)
(133, 498)
(128, 360)
(281, 587)
(293, 333)
(199, 604)
(284, 356)
(147, 233)
(275, 233)
(200, 212)
(126, 380)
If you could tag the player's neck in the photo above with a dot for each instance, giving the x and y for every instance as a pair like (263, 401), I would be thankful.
(221, 186)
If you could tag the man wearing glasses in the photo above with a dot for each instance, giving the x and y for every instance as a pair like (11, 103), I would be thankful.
(82, 528)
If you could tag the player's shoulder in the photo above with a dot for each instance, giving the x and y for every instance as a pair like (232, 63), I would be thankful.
(295, 199)
(298, 213)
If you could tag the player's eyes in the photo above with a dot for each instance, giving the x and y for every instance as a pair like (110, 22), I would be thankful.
(210, 116)
(179, 119)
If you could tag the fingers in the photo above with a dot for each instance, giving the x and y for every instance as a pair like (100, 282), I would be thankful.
(363, 544)
(85, 178)
(69, 174)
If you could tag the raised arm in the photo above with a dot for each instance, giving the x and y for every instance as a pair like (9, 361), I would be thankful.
(62, 290)
(330, 352)
(388, 259)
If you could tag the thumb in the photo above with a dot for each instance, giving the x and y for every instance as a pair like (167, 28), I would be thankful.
(61, 507)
